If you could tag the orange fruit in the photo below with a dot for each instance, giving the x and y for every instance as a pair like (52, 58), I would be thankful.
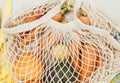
(28, 67)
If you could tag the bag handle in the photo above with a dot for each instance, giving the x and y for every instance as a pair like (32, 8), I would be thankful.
(92, 29)
(31, 25)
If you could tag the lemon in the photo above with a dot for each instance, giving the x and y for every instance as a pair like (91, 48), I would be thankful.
(60, 52)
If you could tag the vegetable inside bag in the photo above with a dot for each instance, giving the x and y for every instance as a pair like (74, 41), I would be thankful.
(84, 22)
(98, 17)
(50, 50)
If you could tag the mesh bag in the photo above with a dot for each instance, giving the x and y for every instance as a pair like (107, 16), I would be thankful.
(98, 17)
(88, 14)
(46, 51)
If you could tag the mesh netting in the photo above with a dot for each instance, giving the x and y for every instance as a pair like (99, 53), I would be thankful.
(31, 14)
(56, 56)
(59, 52)
(99, 18)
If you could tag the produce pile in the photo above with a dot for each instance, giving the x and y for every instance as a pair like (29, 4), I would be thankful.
(48, 47)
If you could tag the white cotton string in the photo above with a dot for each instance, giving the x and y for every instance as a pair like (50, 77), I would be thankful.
(94, 29)
(105, 13)
(76, 8)
(31, 25)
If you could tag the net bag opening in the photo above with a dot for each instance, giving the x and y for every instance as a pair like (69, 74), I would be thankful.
(59, 51)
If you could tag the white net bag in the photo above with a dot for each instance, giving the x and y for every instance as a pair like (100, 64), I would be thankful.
(45, 51)
(85, 16)
(89, 12)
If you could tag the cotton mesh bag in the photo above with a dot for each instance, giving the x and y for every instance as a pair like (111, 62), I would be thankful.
(48, 50)
(98, 17)
(104, 73)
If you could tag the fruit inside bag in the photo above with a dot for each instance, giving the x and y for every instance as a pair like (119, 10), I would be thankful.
(90, 13)
(59, 51)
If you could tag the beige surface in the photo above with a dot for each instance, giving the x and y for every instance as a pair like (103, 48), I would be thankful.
(111, 6)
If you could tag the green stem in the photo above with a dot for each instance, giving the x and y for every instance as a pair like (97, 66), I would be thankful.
(63, 10)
